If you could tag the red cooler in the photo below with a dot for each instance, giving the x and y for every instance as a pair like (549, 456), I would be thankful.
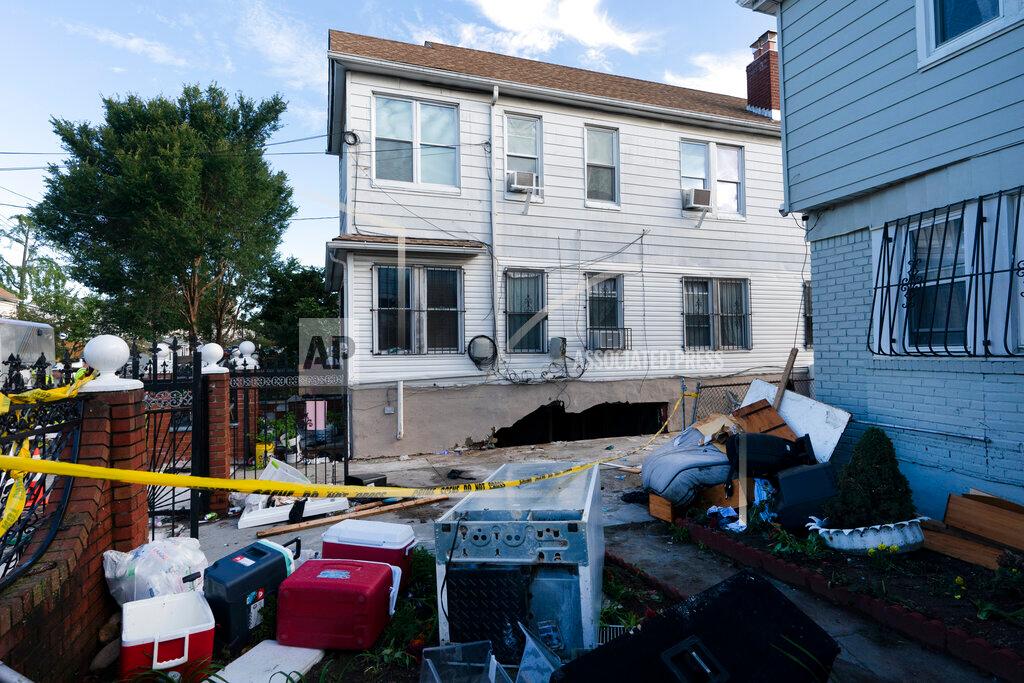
(166, 633)
(362, 539)
(336, 604)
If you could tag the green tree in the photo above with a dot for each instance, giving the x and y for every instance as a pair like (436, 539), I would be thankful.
(46, 293)
(291, 291)
(871, 488)
(168, 209)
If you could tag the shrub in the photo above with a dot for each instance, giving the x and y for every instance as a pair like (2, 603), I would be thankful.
(872, 490)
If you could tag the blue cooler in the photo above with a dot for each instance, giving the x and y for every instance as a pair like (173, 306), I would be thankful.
(237, 586)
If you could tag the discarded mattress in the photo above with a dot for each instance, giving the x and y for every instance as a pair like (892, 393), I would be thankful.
(681, 468)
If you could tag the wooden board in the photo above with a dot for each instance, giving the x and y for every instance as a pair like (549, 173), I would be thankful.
(961, 548)
(988, 521)
(777, 402)
(989, 499)
(715, 495)
(662, 508)
(367, 510)
(760, 418)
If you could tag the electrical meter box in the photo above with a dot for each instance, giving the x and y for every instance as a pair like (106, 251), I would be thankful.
(532, 554)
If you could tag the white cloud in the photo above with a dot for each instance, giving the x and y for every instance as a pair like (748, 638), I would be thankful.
(118, 69)
(295, 53)
(595, 58)
(530, 28)
(151, 49)
(308, 116)
(722, 73)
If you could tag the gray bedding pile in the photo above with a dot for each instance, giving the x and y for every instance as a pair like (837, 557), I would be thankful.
(682, 467)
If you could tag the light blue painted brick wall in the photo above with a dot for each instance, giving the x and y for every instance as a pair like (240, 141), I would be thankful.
(962, 396)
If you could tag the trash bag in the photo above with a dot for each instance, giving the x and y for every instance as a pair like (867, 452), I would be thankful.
(163, 567)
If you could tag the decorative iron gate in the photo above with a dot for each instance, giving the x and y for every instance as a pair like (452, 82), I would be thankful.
(276, 411)
(50, 431)
(176, 431)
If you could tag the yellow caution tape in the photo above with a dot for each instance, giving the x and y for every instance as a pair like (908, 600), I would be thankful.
(278, 488)
(16, 498)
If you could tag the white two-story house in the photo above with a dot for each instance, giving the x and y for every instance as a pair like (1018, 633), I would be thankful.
(903, 124)
(543, 252)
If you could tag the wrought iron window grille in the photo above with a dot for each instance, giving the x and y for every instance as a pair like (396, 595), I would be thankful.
(949, 282)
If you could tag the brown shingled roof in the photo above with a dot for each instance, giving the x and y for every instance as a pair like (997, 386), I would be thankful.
(469, 62)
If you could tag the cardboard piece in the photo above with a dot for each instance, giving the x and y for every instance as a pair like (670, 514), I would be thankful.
(823, 423)
(715, 424)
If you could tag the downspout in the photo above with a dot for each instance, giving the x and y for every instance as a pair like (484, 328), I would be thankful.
(494, 262)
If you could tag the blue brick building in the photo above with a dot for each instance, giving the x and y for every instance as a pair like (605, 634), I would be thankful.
(903, 148)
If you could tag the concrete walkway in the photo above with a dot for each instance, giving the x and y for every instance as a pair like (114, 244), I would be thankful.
(870, 652)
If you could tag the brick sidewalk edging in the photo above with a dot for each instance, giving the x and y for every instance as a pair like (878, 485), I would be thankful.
(932, 633)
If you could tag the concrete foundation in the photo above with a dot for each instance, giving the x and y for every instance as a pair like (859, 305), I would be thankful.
(434, 418)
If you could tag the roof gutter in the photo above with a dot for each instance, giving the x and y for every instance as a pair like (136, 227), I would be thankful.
(551, 94)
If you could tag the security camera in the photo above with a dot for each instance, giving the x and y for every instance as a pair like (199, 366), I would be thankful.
(783, 211)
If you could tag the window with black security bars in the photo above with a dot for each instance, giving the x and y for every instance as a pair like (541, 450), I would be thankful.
(418, 309)
(394, 310)
(716, 314)
(443, 312)
(948, 281)
(525, 313)
(808, 317)
(605, 314)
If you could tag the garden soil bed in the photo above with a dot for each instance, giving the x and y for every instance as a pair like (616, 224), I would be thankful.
(966, 606)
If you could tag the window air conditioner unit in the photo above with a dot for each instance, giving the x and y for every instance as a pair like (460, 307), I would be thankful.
(696, 199)
(521, 181)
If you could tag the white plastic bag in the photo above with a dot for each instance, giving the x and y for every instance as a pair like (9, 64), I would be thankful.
(156, 568)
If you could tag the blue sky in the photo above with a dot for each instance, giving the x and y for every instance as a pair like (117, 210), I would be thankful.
(61, 57)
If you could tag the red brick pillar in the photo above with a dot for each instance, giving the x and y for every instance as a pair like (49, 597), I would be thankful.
(122, 416)
(218, 402)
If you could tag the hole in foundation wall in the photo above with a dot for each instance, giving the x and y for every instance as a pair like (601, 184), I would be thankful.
(605, 420)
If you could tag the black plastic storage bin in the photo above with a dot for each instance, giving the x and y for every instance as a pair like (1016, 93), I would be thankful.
(237, 586)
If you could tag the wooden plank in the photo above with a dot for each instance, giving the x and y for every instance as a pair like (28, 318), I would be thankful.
(625, 468)
(961, 548)
(760, 418)
(785, 379)
(985, 520)
(367, 510)
(715, 495)
(989, 499)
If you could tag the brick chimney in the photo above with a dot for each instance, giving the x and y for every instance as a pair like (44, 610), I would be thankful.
(763, 78)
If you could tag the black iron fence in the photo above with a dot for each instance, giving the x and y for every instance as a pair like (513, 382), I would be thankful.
(49, 431)
(279, 412)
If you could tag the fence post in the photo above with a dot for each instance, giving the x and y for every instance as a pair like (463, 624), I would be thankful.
(218, 421)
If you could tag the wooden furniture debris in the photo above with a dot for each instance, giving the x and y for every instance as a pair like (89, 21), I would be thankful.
(715, 495)
(942, 539)
(761, 418)
(359, 511)
(987, 520)
(663, 509)
(785, 378)
(978, 528)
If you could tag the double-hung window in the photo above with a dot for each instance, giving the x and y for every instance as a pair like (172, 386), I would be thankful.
(525, 311)
(724, 177)
(523, 145)
(946, 27)
(716, 313)
(602, 154)
(416, 142)
(948, 281)
(418, 309)
(605, 313)
(728, 179)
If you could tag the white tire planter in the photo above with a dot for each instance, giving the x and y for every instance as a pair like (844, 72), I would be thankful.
(906, 536)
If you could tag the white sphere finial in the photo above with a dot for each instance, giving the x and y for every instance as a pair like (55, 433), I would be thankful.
(106, 354)
(247, 348)
(212, 353)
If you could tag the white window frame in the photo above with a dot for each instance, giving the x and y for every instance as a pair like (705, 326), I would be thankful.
(416, 183)
(1011, 13)
(617, 167)
(711, 177)
(538, 151)
(715, 317)
(418, 306)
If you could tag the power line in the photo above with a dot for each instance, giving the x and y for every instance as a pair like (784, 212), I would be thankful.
(23, 196)
(269, 144)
